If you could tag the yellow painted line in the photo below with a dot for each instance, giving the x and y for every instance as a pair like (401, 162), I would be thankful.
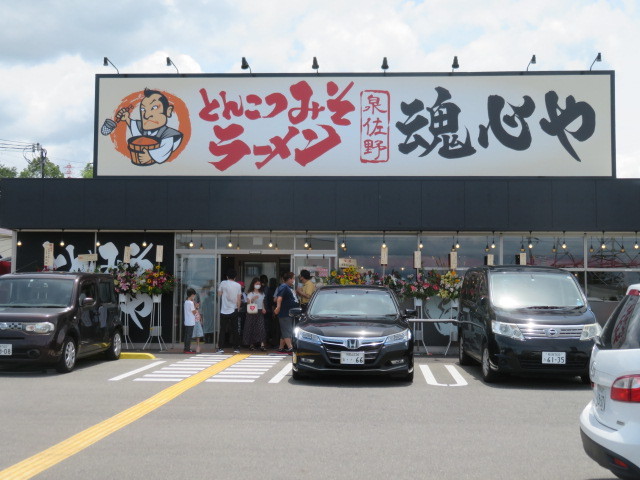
(52, 456)
(137, 355)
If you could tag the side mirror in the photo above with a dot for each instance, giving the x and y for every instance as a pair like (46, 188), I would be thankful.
(295, 312)
(87, 302)
(410, 313)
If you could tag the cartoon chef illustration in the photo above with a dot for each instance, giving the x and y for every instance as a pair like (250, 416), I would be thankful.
(150, 140)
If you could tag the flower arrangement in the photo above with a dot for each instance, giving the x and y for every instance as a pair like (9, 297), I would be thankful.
(156, 281)
(126, 279)
(348, 276)
(450, 284)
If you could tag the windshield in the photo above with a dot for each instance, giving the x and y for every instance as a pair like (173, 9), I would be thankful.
(356, 303)
(35, 292)
(512, 290)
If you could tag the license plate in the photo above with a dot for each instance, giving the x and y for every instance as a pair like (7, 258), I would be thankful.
(352, 358)
(600, 398)
(6, 349)
(554, 358)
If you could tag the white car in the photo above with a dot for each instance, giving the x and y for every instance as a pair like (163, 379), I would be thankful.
(610, 423)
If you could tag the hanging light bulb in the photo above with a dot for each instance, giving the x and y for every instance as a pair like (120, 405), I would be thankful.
(591, 249)
(420, 245)
(144, 239)
(604, 245)
(270, 242)
(457, 241)
(230, 243)
(19, 243)
(554, 249)
(522, 247)
(343, 245)
(191, 240)
(486, 248)
(530, 244)
(564, 243)
(493, 240)
(61, 239)
(384, 243)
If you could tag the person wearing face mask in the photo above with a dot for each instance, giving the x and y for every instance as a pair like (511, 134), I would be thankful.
(254, 333)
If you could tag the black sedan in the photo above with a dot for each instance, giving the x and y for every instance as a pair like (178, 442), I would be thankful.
(353, 329)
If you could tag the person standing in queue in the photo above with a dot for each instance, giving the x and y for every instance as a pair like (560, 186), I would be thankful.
(253, 333)
(306, 290)
(285, 301)
(230, 294)
(189, 319)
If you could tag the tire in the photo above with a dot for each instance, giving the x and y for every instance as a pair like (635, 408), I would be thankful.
(488, 375)
(69, 356)
(463, 358)
(113, 353)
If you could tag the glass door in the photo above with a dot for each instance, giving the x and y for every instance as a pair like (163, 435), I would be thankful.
(198, 271)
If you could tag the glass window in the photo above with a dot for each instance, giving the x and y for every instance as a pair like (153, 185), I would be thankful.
(315, 241)
(622, 331)
(611, 252)
(352, 304)
(107, 294)
(512, 290)
(555, 251)
(366, 251)
(609, 285)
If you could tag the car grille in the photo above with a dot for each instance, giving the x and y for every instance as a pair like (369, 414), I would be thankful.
(10, 325)
(370, 346)
(543, 331)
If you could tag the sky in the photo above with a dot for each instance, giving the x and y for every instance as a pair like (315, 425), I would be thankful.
(51, 51)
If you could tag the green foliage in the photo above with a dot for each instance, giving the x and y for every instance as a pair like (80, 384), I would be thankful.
(8, 172)
(34, 169)
(87, 171)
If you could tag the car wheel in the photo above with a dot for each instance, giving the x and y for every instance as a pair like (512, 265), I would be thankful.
(69, 356)
(113, 353)
(463, 358)
(488, 375)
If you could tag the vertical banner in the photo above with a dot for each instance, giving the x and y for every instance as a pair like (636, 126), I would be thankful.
(159, 253)
(521, 259)
(417, 259)
(488, 259)
(384, 256)
(48, 255)
(453, 260)
(126, 258)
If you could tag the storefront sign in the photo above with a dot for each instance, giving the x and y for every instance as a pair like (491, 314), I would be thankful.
(126, 257)
(88, 257)
(347, 262)
(48, 255)
(384, 255)
(485, 124)
(417, 259)
(159, 253)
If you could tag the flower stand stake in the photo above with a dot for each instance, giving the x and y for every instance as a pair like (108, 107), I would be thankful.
(155, 282)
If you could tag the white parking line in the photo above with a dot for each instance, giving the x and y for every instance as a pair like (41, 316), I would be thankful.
(283, 373)
(137, 370)
(431, 379)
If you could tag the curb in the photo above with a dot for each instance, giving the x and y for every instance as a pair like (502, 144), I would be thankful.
(137, 355)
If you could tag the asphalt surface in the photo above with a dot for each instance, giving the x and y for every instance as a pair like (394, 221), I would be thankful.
(448, 424)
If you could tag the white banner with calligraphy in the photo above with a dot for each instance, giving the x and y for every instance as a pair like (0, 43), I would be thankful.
(486, 124)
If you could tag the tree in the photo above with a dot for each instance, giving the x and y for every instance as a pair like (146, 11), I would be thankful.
(87, 171)
(34, 169)
(8, 172)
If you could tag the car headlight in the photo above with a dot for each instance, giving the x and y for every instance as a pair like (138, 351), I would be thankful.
(42, 327)
(403, 336)
(307, 336)
(591, 331)
(507, 330)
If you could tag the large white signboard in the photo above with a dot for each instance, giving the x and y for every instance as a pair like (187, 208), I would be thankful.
(491, 124)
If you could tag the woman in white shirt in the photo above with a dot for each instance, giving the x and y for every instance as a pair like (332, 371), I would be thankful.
(254, 333)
